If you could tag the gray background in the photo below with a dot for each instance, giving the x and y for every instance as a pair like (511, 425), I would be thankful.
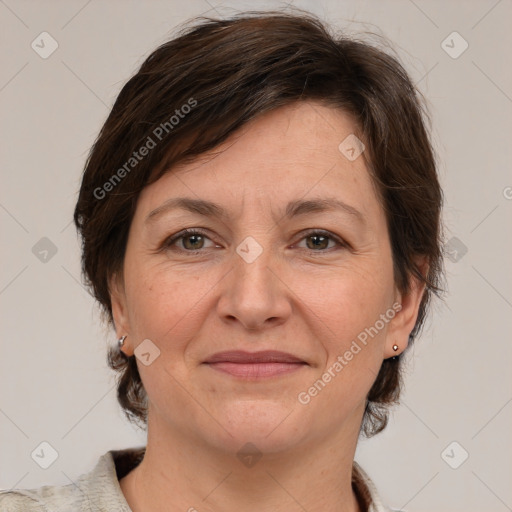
(55, 384)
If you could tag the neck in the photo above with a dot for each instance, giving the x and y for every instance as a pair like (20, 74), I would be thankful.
(179, 473)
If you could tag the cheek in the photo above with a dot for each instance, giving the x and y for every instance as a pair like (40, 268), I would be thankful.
(165, 303)
(353, 346)
(352, 333)
(361, 324)
(347, 300)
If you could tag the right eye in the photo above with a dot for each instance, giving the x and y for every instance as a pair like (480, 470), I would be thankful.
(191, 241)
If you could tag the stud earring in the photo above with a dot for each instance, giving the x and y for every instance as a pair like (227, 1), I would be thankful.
(120, 341)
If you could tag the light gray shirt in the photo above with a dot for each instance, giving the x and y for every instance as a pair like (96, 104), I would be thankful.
(99, 489)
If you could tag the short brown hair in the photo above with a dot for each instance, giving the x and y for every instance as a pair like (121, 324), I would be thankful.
(228, 72)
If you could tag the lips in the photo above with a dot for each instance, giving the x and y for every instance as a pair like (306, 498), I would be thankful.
(255, 365)
(242, 357)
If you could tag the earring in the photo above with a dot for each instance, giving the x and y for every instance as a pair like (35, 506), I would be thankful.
(120, 341)
(395, 347)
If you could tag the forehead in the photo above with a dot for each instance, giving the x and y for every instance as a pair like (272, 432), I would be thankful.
(290, 153)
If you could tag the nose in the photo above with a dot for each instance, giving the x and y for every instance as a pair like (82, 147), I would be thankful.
(254, 294)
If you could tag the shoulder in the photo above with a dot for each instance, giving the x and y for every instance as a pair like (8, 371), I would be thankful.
(17, 501)
(371, 497)
(48, 498)
(96, 490)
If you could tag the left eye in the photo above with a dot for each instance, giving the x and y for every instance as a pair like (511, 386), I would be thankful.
(192, 241)
(320, 240)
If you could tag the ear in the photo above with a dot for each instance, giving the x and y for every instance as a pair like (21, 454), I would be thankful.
(403, 322)
(119, 306)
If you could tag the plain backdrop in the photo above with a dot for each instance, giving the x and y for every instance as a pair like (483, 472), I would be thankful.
(447, 446)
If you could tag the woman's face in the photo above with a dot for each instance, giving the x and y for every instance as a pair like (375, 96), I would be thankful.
(275, 266)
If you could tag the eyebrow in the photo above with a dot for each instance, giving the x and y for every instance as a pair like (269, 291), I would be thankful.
(294, 208)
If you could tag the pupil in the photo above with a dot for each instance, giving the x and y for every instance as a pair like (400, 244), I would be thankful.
(316, 237)
(192, 237)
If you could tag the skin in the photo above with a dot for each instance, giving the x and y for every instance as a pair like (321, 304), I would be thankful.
(306, 299)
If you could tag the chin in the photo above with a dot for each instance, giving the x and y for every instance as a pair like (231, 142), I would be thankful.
(266, 424)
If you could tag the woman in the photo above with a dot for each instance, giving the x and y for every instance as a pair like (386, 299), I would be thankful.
(260, 221)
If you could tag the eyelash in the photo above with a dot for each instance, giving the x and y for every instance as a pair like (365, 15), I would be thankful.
(170, 241)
